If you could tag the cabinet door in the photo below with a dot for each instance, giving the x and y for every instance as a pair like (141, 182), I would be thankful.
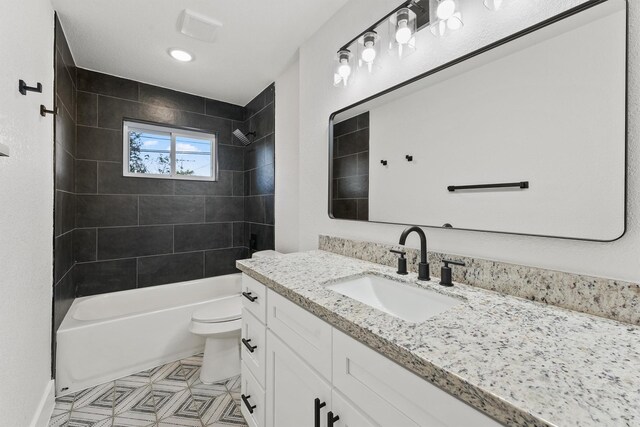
(254, 297)
(349, 415)
(252, 405)
(307, 334)
(392, 395)
(292, 387)
(254, 337)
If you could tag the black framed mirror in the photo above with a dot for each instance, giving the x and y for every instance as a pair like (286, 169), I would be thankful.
(525, 136)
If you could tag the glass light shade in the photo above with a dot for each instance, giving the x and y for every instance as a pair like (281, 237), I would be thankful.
(495, 4)
(343, 70)
(446, 9)
(402, 31)
(446, 16)
(368, 50)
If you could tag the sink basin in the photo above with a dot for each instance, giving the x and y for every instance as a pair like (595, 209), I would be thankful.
(398, 299)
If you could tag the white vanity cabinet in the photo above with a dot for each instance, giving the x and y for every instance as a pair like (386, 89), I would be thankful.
(310, 372)
(292, 389)
(349, 415)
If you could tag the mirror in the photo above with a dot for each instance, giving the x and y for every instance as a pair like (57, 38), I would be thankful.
(526, 136)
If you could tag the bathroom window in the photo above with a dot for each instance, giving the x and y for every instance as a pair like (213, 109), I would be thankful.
(153, 151)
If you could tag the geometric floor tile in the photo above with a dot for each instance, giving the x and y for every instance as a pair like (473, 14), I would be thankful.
(170, 395)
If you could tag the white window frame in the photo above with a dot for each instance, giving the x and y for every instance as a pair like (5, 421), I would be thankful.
(173, 132)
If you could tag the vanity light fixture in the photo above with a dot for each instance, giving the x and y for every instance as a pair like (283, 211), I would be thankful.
(343, 70)
(402, 27)
(399, 28)
(446, 16)
(180, 55)
(368, 46)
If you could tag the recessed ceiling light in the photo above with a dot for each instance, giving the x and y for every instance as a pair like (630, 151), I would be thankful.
(180, 55)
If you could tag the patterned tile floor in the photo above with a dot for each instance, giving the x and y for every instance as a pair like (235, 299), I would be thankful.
(169, 395)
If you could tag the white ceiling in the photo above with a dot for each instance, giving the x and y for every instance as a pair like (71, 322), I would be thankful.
(130, 38)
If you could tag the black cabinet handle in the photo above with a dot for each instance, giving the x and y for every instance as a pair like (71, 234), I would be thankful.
(245, 400)
(250, 347)
(317, 405)
(248, 296)
(331, 419)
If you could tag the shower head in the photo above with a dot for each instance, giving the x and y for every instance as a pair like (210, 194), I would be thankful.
(242, 137)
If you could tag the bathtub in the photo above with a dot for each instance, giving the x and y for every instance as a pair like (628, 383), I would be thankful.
(109, 336)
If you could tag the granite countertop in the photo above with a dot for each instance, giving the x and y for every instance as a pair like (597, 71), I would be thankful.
(523, 363)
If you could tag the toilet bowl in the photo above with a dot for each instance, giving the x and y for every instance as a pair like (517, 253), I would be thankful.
(219, 322)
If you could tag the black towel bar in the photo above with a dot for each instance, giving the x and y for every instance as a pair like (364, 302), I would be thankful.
(521, 184)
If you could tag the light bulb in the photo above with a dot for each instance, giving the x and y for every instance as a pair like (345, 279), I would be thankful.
(454, 23)
(403, 33)
(368, 54)
(180, 55)
(344, 70)
(493, 4)
(446, 9)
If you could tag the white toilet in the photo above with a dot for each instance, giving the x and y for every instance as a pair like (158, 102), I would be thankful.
(219, 322)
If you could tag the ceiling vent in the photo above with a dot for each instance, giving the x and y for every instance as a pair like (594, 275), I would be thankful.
(198, 26)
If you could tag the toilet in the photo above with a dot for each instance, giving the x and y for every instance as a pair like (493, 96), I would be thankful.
(219, 322)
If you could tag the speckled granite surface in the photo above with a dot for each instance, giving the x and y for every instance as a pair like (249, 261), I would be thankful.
(612, 299)
(522, 362)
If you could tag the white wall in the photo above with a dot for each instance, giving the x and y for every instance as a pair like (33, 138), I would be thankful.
(318, 99)
(26, 209)
(287, 137)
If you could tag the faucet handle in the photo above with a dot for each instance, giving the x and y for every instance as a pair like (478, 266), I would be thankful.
(448, 261)
(402, 262)
(445, 272)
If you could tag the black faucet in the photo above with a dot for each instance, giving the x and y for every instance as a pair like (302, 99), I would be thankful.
(423, 267)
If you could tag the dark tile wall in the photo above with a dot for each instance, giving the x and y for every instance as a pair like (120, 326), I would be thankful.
(137, 232)
(64, 197)
(64, 177)
(259, 171)
(351, 168)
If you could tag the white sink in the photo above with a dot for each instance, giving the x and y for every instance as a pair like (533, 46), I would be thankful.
(398, 299)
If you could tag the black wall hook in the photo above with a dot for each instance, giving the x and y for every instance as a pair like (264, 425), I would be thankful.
(384, 162)
(23, 88)
(409, 158)
(44, 111)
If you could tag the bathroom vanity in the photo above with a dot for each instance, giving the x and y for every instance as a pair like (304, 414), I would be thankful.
(312, 356)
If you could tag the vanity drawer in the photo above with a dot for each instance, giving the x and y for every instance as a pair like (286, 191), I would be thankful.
(305, 333)
(252, 404)
(254, 297)
(401, 398)
(253, 348)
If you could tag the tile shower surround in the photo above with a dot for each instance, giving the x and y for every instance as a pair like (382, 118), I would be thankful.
(259, 171)
(137, 232)
(64, 195)
(350, 198)
(612, 299)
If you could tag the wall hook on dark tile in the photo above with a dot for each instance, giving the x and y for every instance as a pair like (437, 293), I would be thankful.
(44, 111)
(383, 162)
(409, 158)
(23, 88)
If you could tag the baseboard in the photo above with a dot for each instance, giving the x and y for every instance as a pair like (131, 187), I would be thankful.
(45, 407)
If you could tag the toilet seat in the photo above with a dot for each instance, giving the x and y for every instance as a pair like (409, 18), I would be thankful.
(219, 311)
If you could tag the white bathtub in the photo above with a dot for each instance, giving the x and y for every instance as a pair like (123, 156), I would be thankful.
(109, 336)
